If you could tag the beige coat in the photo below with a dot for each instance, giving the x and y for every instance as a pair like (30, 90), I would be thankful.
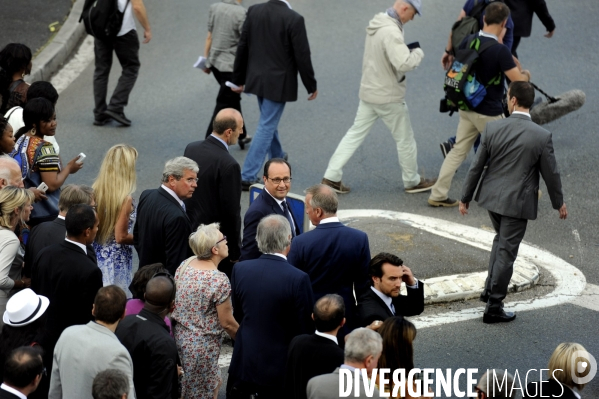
(386, 61)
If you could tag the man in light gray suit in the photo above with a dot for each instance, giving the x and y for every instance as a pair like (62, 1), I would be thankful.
(362, 351)
(516, 151)
(84, 350)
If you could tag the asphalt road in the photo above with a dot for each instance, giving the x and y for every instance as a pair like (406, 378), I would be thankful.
(172, 102)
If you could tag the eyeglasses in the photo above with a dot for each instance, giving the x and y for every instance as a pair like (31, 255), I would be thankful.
(278, 180)
(221, 240)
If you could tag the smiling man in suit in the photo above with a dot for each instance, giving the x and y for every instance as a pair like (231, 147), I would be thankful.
(218, 196)
(514, 152)
(162, 228)
(277, 183)
(383, 299)
(336, 257)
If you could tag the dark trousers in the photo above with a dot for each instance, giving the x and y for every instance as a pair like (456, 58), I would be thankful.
(126, 48)
(226, 98)
(515, 45)
(510, 232)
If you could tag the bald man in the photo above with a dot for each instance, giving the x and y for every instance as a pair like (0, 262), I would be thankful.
(10, 175)
(218, 196)
(149, 343)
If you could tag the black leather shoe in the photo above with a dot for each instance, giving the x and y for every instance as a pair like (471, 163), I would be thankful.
(245, 185)
(102, 120)
(503, 317)
(242, 142)
(119, 117)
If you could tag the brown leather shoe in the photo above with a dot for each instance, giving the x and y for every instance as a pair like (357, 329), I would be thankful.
(424, 185)
(445, 203)
(338, 187)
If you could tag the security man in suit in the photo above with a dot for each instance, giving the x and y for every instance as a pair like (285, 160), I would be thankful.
(516, 151)
(23, 371)
(218, 196)
(277, 183)
(522, 13)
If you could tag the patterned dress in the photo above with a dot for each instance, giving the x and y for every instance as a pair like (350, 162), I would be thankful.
(198, 332)
(116, 260)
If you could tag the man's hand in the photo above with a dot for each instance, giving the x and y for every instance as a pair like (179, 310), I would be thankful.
(549, 35)
(563, 212)
(147, 36)
(207, 71)
(446, 61)
(238, 90)
(464, 208)
(39, 194)
(313, 95)
(407, 277)
(375, 325)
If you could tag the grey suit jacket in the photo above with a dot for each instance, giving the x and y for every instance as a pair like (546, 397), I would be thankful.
(517, 150)
(82, 352)
(326, 386)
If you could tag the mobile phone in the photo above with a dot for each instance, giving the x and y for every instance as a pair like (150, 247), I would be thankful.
(414, 45)
(82, 156)
(42, 187)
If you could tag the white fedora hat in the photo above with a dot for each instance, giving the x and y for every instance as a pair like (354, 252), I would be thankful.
(24, 308)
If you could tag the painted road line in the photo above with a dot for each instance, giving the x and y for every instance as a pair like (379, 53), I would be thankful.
(72, 69)
(570, 282)
(589, 298)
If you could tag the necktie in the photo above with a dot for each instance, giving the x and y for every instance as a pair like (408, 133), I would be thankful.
(288, 216)
(183, 206)
(393, 308)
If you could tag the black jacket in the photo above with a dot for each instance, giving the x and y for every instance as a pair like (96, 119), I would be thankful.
(309, 356)
(522, 12)
(162, 230)
(154, 355)
(549, 389)
(371, 307)
(272, 49)
(218, 195)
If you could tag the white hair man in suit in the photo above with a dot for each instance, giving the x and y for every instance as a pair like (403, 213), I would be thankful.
(516, 151)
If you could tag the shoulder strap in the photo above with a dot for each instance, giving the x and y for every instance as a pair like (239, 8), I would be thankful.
(479, 7)
(14, 85)
(11, 111)
(184, 266)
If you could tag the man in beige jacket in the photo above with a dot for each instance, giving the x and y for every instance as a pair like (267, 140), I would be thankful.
(382, 95)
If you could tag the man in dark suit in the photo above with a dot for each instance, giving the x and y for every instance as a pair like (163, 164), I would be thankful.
(516, 151)
(23, 371)
(66, 275)
(318, 353)
(272, 49)
(522, 12)
(218, 196)
(277, 183)
(54, 232)
(272, 301)
(383, 299)
(336, 257)
(162, 229)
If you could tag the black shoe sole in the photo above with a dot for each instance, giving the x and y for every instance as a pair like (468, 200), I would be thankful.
(492, 319)
(101, 122)
(118, 118)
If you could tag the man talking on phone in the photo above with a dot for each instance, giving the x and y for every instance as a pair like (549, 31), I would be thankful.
(387, 59)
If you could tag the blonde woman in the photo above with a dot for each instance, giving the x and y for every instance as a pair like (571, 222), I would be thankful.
(203, 311)
(113, 191)
(15, 208)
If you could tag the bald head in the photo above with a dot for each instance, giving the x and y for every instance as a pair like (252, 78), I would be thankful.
(160, 293)
(10, 172)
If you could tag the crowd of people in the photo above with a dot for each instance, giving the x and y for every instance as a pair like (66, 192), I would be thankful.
(77, 322)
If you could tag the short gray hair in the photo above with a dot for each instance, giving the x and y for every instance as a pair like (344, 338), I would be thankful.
(323, 197)
(5, 161)
(273, 234)
(498, 388)
(203, 240)
(176, 167)
(361, 343)
(110, 384)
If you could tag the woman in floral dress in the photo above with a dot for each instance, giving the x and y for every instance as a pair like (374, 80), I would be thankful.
(113, 190)
(202, 312)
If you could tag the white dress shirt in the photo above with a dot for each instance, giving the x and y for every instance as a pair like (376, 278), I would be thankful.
(280, 202)
(327, 336)
(83, 247)
(13, 391)
(174, 195)
(332, 219)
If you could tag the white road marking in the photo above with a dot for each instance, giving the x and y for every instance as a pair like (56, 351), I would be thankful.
(72, 69)
(570, 282)
(589, 298)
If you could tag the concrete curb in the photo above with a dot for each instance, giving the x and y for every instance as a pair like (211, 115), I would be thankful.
(49, 61)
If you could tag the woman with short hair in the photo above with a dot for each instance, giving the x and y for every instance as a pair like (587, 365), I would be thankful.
(203, 311)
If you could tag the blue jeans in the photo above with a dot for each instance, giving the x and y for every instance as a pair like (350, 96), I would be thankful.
(266, 139)
(476, 143)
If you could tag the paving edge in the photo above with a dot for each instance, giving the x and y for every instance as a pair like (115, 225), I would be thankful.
(54, 55)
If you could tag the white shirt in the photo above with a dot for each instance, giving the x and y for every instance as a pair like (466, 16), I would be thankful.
(489, 35)
(288, 5)
(13, 391)
(174, 195)
(221, 140)
(61, 217)
(83, 247)
(332, 219)
(521, 113)
(281, 255)
(328, 336)
(128, 21)
(280, 202)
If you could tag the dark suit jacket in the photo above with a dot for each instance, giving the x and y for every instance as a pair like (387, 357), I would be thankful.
(272, 48)
(551, 389)
(309, 356)
(272, 301)
(70, 280)
(7, 395)
(263, 205)
(45, 234)
(371, 307)
(517, 151)
(522, 12)
(336, 258)
(161, 231)
(218, 195)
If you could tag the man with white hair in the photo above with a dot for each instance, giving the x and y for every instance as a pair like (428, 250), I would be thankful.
(362, 351)
(10, 172)
(162, 228)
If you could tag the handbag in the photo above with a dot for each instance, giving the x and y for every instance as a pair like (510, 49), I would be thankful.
(43, 209)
